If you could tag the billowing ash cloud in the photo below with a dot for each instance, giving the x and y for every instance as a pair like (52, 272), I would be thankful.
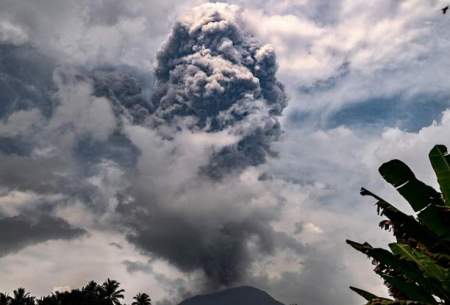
(137, 151)
(214, 111)
(127, 88)
(222, 248)
(213, 75)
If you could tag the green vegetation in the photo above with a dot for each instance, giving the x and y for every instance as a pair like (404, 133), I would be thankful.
(142, 299)
(109, 293)
(416, 268)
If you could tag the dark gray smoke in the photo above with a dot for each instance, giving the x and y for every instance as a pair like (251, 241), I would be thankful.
(213, 78)
(18, 232)
(222, 249)
(131, 153)
(213, 75)
(128, 89)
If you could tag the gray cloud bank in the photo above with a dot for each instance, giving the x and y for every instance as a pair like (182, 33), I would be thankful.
(174, 166)
(21, 231)
(158, 162)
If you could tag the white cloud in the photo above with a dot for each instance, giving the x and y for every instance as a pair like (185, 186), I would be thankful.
(82, 114)
(369, 36)
(311, 191)
(20, 123)
(11, 33)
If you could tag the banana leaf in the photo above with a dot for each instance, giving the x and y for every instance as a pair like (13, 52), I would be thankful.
(366, 295)
(410, 290)
(439, 159)
(437, 219)
(418, 194)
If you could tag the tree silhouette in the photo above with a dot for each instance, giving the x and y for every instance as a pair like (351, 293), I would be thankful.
(91, 288)
(416, 268)
(111, 292)
(142, 299)
(21, 297)
(92, 292)
(4, 299)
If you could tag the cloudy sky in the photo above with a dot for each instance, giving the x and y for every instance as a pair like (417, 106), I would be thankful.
(181, 147)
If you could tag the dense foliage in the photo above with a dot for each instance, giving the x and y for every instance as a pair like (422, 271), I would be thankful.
(416, 268)
(109, 293)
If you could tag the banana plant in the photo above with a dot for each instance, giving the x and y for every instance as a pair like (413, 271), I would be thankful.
(416, 268)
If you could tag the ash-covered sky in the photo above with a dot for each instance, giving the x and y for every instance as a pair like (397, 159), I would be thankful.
(184, 146)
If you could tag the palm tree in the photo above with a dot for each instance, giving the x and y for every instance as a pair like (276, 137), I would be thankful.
(21, 297)
(142, 299)
(49, 300)
(91, 290)
(4, 299)
(91, 287)
(111, 292)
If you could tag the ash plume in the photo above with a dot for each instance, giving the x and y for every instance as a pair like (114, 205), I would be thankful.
(212, 78)
(145, 160)
(213, 75)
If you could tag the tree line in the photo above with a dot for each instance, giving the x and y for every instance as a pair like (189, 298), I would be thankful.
(108, 293)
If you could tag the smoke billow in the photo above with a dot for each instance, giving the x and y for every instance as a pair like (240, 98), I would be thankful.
(20, 231)
(213, 81)
(127, 88)
(146, 161)
(213, 75)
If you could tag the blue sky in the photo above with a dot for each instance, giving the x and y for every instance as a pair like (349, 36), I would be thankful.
(366, 82)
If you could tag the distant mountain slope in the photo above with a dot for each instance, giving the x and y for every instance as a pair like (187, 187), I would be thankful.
(234, 296)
